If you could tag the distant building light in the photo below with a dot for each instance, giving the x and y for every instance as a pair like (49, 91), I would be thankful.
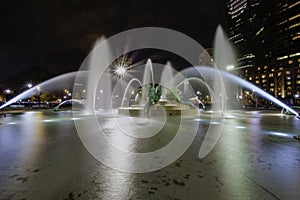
(282, 57)
(296, 37)
(295, 54)
(229, 67)
(298, 2)
(260, 30)
(285, 21)
(294, 17)
(294, 25)
(29, 85)
(297, 95)
(7, 91)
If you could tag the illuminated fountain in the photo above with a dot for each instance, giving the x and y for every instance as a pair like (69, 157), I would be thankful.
(154, 99)
(169, 89)
(51, 85)
(81, 102)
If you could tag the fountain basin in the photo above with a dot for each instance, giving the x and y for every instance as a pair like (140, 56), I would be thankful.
(160, 109)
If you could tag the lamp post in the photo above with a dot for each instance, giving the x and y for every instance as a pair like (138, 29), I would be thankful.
(29, 85)
(8, 93)
(38, 88)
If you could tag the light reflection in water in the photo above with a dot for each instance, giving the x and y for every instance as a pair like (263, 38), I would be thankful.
(35, 135)
(251, 149)
(232, 158)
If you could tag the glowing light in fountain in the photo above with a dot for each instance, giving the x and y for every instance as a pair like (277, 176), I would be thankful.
(121, 66)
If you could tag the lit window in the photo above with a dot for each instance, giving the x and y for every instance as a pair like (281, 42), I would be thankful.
(279, 73)
(266, 67)
(250, 78)
(257, 82)
(263, 76)
(289, 83)
(258, 68)
(294, 17)
(283, 22)
(294, 25)
(290, 62)
(282, 57)
(271, 75)
(260, 30)
(272, 84)
(295, 54)
(271, 89)
(298, 82)
(287, 72)
(296, 37)
(294, 4)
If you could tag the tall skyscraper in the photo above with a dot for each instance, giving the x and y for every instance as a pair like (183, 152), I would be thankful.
(267, 36)
(278, 49)
(241, 28)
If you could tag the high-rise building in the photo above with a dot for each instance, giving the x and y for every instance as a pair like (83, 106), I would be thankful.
(278, 49)
(241, 28)
(270, 40)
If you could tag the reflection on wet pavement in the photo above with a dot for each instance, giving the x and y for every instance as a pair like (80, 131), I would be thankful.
(42, 157)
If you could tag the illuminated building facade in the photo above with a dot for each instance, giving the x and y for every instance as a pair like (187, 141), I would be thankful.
(241, 25)
(278, 50)
(274, 40)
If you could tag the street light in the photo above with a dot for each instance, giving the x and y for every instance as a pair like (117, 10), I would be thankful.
(38, 88)
(29, 85)
(7, 91)
(229, 67)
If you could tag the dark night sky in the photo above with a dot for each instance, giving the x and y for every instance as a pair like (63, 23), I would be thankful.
(57, 35)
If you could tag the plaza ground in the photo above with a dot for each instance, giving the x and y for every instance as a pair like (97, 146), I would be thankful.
(256, 157)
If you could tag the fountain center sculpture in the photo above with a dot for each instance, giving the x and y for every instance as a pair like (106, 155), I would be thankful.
(153, 99)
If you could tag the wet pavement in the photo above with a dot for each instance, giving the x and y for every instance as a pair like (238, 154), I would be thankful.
(42, 157)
